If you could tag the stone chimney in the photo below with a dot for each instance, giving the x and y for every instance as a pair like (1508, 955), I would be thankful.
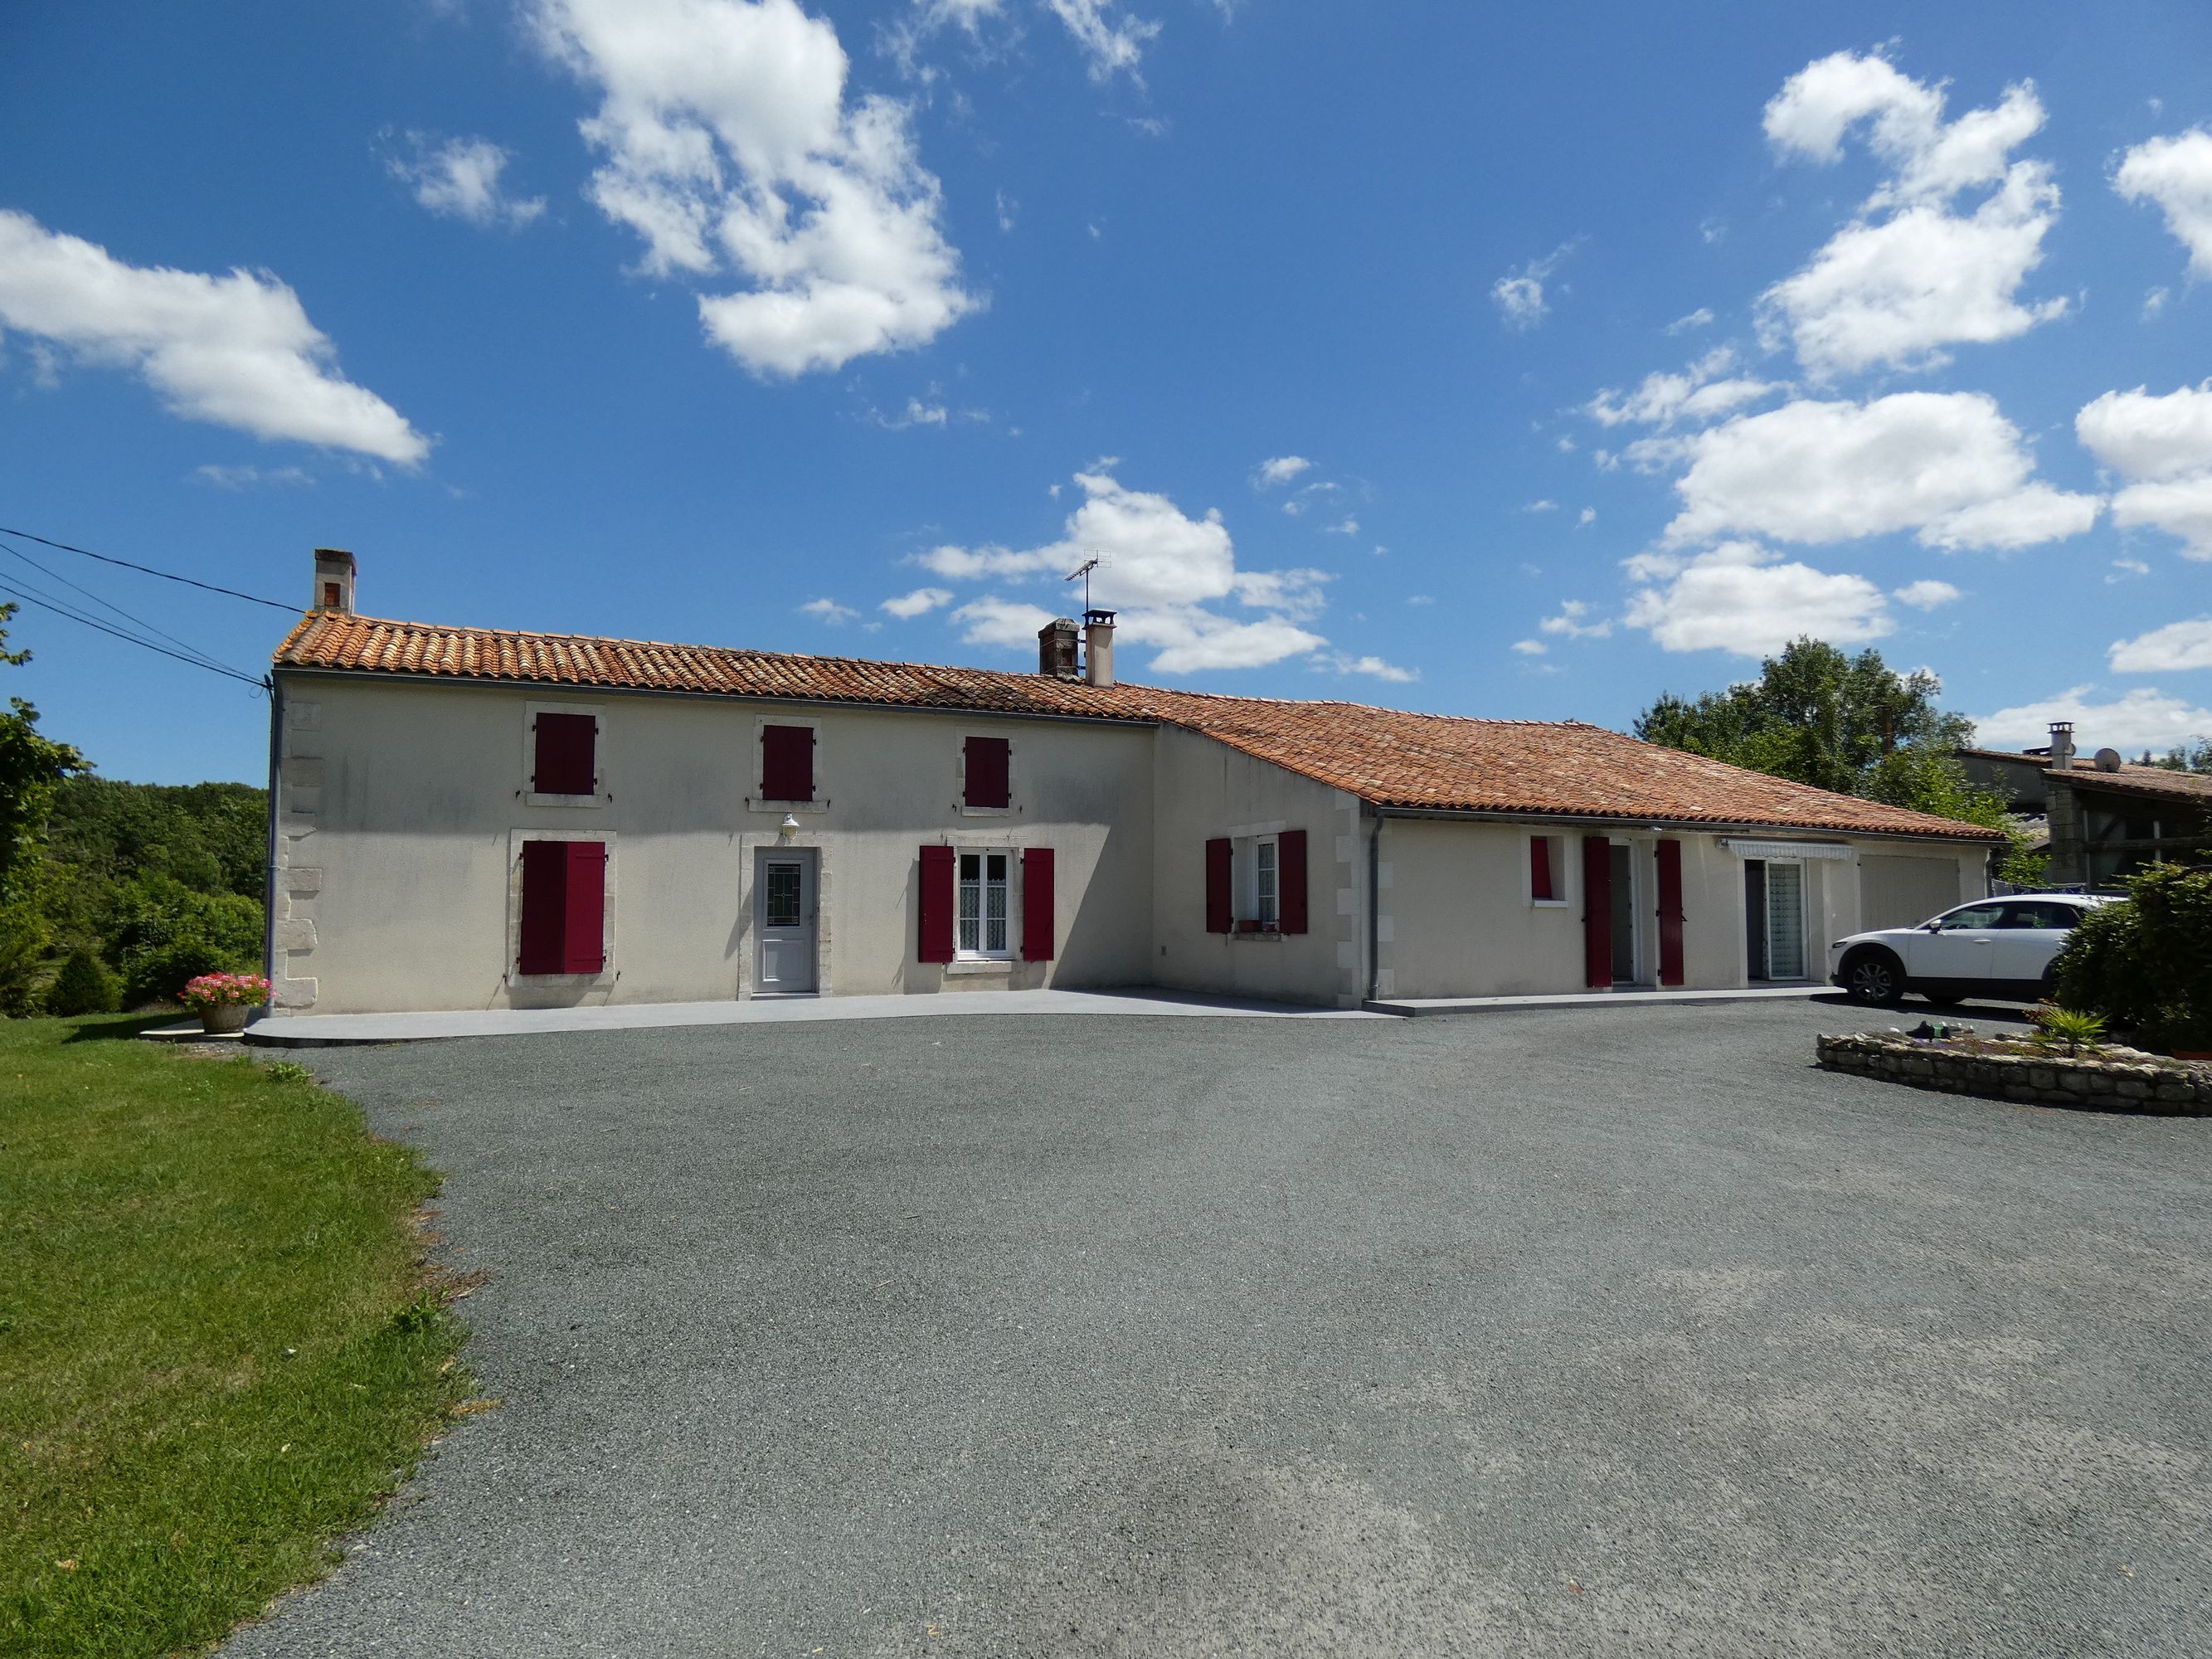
(1099, 646)
(2062, 746)
(333, 580)
(1056, 649)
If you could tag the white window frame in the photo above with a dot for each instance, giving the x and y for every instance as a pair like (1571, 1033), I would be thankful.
(531, 797)
(1244, 904)
(979, 850)
(1562, 871)
(609, 967)
(960, 776)
(759, 802)
(1805, 925)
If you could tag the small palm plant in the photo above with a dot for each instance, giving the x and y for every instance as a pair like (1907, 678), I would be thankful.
(2068, 1028)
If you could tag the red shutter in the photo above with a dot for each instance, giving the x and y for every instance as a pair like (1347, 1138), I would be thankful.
(1597, 912)
(544, 903)
(1290, 881)
(583, 932)
(566, 755)
(989, 780)
(1219, 919)
(786, 763)
(1036, 902)
(937, 881)
(1670, 913)
(1539, 868)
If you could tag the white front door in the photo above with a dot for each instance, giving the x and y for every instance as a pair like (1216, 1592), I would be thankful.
(783, 918)
(1785, 921)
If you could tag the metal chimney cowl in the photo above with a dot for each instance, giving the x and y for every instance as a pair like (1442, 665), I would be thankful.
(2062, 746)
(1056, 649)
(1099, 646)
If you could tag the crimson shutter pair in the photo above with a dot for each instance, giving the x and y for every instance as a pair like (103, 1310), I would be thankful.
(564, 895)
(1290, 912)
(564, 758)
(939, 868)
(989, 772)
(786, 763)
(1597, 912)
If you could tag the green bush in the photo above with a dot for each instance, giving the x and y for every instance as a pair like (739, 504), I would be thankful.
(2147, 963)
(166, 934)
(84, 986)
(22, 949)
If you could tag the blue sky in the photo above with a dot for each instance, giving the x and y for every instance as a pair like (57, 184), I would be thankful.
(1506, 362)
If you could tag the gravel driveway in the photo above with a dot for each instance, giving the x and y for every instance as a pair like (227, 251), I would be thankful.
(1612, 1333)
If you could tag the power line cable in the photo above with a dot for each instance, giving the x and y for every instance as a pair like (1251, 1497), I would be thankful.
(148, 569)
(136, 622)
(208, 665)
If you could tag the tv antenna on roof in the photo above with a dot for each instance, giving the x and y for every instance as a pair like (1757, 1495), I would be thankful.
(1084, 570)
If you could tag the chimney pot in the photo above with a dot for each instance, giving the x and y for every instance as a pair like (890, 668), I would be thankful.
(2062, 746)
(1056, 649)
(1099, 646)
(334, 573)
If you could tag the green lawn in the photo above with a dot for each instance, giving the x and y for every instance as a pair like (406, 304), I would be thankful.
(218, 1350)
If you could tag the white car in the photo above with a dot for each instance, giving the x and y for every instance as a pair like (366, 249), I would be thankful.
(1998, 947)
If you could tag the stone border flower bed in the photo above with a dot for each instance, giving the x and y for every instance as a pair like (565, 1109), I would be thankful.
(2123, 1080)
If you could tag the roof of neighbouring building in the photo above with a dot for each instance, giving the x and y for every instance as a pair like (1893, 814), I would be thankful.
(1384, 755)
(2159, 781)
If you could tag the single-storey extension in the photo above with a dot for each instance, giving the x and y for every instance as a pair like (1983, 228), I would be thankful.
(468, 818)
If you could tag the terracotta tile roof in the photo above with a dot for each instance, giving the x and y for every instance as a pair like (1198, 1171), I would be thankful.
(1391, 758)
(2129, 780)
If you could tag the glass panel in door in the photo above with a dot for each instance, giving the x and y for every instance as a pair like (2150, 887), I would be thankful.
(1785, 921)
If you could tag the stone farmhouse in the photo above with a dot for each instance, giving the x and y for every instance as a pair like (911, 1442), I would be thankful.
(467, 817)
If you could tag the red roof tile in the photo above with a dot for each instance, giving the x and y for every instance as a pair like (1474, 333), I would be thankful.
(2130, 780)
(1384, 755)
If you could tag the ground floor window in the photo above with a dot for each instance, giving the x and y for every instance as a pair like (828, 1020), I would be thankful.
(983, 909)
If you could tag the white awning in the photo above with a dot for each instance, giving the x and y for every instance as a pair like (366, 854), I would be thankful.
(1784, 849)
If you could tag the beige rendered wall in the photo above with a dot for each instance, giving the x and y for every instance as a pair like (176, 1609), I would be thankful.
(401, 808)
(1205, 789)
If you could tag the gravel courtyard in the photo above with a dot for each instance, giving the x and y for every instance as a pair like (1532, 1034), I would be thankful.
(1547, 1333)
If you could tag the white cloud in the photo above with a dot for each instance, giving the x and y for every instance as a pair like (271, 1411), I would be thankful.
(251, 478)
(922, 601)
(1909, 276)
(460, 177)
(1335, 662)
(2177, 646)
(829, 610)
(1519, 294)
(1346, 526)
(1112, 44)
(1946, 465)
(1545, 506)
(2175, 173)
(1737, 598)
(2162, 445)
(2154, 303)
(1701, 318)
(1280, 470)
(1572, 621)
(236, 350)
(1163, 568)
(2125, 568)
(994, 621)
(730, 147)
(1531, 647)
(1926, 594)
(1699, 393)
(2142, 719)
(1007, 208)
(1588, 516)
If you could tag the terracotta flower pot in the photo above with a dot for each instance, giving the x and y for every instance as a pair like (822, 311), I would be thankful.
(225, 1016)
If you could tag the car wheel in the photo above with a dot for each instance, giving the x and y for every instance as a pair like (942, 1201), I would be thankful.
(1875, 979)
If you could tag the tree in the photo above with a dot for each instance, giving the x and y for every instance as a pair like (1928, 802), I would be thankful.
(31, 768)
(2193, 756)
(1849, 724)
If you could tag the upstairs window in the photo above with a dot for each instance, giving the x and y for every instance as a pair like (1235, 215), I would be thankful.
(787, 762)
(564, 754)
(987, 764)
